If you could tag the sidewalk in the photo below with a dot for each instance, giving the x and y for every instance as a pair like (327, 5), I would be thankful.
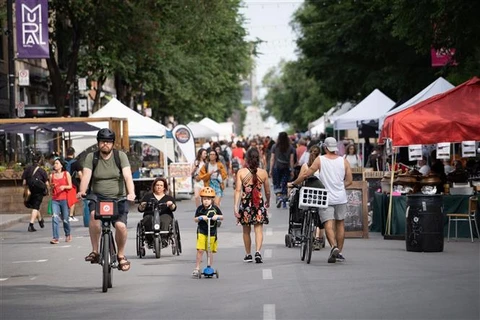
(8, 220)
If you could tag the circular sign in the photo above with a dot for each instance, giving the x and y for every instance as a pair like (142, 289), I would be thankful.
(106, 208)
(182, 135)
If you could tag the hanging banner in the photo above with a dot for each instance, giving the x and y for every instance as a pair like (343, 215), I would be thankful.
(32, 29)
(414, 152)
(443, 150)
(468, 149)
(184, 139)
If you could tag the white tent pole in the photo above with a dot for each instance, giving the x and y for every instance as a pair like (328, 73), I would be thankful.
(165, 156)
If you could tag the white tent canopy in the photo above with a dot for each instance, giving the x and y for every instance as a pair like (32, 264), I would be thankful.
(138, 125)
(201, 131)
(438, 86)
(318, 126)
(140, 128)
(224, 129)
(375, 105)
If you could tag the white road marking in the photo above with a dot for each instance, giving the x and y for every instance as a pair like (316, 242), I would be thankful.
(55, 247)
(268, 253)
(269, 232)
(30, 261)
(267, 274)
(268, 312)
(33, 278)
(70, 259)
(3, 279)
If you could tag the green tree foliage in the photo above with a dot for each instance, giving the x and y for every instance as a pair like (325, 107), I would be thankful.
(293, 97)
(184, 57)
(350, 48)
(442, 24)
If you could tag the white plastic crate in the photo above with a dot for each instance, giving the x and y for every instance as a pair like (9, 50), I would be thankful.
(313, 197)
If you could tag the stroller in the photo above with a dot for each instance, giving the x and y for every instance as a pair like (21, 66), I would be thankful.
(295, 219)
(296, 215)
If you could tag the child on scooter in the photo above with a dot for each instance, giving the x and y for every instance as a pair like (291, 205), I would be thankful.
(206, 210)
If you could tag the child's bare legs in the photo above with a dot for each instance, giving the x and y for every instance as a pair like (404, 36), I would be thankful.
(199, 259)
(247, 241)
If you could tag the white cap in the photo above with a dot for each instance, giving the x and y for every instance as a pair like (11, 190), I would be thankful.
(331, 144)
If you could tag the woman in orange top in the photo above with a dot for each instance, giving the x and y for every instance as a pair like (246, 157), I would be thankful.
(61, 183)
(213, 174)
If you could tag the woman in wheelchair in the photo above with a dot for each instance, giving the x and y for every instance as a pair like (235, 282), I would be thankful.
(147, 205)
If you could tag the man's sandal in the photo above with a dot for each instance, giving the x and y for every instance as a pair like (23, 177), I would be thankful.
(93, 257)
(123, 264)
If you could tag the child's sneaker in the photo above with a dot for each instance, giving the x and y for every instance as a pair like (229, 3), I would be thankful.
(195, 273)
(258, 257)
(248, 258)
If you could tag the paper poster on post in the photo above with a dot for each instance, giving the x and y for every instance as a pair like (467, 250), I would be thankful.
(468, 149)
(443, 150)
(414, 152)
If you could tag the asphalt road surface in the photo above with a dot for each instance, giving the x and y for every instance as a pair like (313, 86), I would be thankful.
(379, 280)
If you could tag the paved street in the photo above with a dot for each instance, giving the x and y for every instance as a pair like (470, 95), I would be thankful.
(379, 280)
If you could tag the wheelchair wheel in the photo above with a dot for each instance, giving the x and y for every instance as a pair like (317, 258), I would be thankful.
(179, 241)
(139, 241)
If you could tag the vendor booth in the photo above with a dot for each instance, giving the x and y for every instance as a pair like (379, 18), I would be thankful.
(449, 117)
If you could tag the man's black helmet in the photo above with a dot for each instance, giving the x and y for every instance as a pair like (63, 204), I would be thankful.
(106, 134)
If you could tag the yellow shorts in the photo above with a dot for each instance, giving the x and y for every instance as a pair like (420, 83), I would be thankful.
(202, 242)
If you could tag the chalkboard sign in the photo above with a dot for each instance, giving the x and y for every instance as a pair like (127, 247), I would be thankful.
(356, 219)
(373, 179)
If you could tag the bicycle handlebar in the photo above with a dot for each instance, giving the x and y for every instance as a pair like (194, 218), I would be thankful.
(94, 198)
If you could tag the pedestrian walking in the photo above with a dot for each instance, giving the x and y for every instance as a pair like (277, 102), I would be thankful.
(35, 184)
(335, 174)
(61, 183)
(250, 208)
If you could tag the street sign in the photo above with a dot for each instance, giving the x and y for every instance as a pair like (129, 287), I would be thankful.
(82, 84)
(21, 109)
(23, 78)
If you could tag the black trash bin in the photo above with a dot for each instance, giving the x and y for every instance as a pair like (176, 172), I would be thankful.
(424, 225)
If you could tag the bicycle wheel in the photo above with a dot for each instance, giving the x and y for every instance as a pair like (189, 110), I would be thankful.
(179, 242)
(105, 261)
(309, 237)
(303, 246)
(113, 258)
(156, 247)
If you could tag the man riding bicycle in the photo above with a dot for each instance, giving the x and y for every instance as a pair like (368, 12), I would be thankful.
(109, 172)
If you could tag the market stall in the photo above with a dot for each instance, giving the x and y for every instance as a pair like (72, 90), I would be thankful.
(449, 117)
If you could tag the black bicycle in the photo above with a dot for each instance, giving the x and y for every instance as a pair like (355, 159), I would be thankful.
(308, 233)
(106, 210)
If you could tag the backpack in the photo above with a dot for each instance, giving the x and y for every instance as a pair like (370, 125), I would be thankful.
(96, 157)
(73, 174)
(225, 155)
(36, 185)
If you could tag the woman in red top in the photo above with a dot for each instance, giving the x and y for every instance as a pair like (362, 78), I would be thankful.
(61, 183)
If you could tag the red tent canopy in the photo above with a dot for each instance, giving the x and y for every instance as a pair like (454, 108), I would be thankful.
(452, 116)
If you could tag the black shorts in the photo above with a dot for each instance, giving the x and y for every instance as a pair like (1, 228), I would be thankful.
(35, 201)
(122, 211)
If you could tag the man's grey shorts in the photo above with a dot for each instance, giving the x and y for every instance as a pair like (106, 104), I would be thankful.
(333, 212)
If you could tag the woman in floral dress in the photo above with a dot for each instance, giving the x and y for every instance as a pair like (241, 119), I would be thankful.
(249, 206)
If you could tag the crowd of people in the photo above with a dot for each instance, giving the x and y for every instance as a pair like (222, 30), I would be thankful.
(247, 165)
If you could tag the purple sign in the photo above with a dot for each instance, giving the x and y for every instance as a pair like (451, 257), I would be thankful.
(32, 29)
